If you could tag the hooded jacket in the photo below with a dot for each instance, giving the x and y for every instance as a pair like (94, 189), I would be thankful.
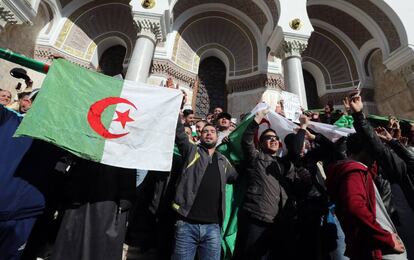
(350, 185)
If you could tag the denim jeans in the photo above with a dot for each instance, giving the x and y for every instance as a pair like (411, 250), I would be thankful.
(338, 253)
(191, 238)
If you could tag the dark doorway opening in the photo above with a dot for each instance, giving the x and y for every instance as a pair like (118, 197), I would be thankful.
(311, 91)
(212, 87)
(112, 59)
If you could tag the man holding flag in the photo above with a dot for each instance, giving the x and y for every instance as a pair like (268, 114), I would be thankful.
(266, 208)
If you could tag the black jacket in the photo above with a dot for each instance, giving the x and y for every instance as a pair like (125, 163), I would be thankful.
(312, 197)
(397, 163)
(269, 180)
(196, 159)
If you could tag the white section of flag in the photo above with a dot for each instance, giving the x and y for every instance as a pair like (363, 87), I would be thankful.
(332, 132)
(150, 142)
(284, 126)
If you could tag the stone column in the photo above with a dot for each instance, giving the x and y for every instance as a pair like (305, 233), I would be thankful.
(148, 36)
(292, 68)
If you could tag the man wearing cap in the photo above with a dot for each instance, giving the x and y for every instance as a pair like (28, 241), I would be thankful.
(223, 126)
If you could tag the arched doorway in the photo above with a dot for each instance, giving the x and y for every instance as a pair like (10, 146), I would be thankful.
(112, 59)
(311, 91)
(212, 86)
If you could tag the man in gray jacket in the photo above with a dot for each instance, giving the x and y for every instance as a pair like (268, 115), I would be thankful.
(200, 196)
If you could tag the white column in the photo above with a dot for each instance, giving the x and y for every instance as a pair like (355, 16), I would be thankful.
(292, 69)
(140, 63)
(293, 75)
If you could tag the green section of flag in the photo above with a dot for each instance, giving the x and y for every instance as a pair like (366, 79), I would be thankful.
(345, 121)
(233, 150)
(59, 113)
(234, 193)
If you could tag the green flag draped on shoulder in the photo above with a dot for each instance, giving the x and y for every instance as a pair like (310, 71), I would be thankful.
(233, 151)
(104, 119)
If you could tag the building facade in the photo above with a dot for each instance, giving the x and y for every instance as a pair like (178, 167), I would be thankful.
(240, 52)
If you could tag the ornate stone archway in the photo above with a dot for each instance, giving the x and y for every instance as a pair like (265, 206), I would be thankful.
(211, 87)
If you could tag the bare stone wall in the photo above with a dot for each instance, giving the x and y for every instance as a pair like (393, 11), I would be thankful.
(392, 93)
(243, 102)
(20, 39)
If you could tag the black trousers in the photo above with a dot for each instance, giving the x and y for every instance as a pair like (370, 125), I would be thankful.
(258, 240)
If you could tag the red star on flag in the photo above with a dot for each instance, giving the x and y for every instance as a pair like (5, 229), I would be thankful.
(123, 118)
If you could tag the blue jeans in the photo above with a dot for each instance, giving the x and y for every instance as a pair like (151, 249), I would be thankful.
(338, 253)
(191, 238)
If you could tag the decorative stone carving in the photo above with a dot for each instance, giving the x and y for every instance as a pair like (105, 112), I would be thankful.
(7, 16)
(150, 28)
(406, 70)
(16, 12)
(169, 69)
(44, 53)
(272, 81)
(292, 47)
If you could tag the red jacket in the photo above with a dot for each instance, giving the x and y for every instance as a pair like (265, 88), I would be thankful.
(351, 187)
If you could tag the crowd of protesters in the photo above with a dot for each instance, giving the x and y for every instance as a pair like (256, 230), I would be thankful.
(305, 197)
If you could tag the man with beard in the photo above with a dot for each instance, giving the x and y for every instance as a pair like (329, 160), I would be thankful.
(200, 196)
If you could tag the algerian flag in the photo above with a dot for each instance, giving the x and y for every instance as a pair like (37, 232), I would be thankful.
(104, 119)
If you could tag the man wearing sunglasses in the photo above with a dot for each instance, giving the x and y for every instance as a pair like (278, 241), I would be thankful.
(262, 227)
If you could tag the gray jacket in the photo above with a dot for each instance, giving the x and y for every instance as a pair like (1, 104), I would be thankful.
(196, 160)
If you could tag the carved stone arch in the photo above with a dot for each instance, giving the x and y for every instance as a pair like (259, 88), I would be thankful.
(315, 70)
(225, 31)
(213, 50)
(50, 17)
(106, 41)
(90, 24)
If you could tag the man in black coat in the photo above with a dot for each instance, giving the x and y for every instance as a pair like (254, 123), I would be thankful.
(396, 161)
(264, 218)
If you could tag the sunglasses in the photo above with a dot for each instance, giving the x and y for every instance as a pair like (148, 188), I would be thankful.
(271, 138)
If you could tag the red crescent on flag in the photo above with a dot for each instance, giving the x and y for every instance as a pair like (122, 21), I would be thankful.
(95, 113)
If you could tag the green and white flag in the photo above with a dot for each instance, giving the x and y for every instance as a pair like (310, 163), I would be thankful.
(104, 119)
